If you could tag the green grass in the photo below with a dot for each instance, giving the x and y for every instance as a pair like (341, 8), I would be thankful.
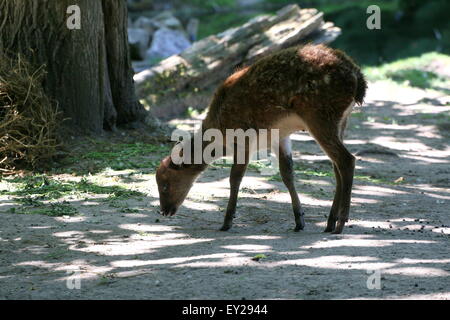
(47, 188)
(126, 156)
(216, 23)
(101, 155)
(414, 72)
(400, 35)
(37, 194)
(54, 209)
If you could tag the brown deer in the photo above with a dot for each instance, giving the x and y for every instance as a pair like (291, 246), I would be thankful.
(311, 88)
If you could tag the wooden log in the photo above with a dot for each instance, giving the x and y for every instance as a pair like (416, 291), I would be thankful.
(207, 62)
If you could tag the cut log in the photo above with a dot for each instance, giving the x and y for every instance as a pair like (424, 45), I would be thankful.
(168, 87)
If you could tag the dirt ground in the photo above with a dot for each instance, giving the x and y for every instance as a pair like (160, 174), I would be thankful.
(395, 246)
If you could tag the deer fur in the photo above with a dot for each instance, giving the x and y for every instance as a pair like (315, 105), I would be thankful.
(311, 88)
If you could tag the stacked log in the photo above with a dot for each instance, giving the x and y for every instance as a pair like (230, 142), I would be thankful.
(186, 80)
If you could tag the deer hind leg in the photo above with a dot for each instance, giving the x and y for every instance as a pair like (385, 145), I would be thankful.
(329, 137)
(287, 174)
(236, 175)
(333, 216)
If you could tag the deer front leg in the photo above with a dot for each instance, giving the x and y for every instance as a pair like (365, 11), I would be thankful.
(287, 174)
(236, 175)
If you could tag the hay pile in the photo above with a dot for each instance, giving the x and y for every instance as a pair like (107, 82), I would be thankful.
(29, 120)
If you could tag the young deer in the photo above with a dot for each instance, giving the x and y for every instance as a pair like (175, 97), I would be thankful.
(311, 88)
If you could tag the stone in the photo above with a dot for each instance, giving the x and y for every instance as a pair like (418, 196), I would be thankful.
(192, 29)
(139, 40)
(167, 20)
(145, 23)
(167, 42)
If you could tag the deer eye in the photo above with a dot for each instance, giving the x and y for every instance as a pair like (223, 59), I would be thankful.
(165, 188)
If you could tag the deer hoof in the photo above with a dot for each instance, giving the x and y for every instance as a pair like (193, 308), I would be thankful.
(330, 227)
(300, 223)
(339, 227)
(225, 228)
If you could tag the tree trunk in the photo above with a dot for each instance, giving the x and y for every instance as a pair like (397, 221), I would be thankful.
(89, 70)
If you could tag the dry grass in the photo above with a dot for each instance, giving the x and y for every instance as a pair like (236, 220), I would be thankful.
(29, 120)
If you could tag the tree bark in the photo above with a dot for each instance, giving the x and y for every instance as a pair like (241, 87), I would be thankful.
(89, 70)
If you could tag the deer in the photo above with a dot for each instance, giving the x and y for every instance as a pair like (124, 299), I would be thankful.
(309, 87)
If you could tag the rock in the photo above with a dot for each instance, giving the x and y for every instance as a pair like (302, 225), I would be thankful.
(209, 61)
(192, 29)
(167, 20)
(139, 41)
(145, 23)
(167, 42)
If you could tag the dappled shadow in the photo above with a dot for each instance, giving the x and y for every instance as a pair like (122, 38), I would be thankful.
(186, 257)
(143, 255)
(399, 225)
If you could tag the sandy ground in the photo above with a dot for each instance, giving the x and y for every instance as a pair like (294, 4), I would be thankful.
(396, 244)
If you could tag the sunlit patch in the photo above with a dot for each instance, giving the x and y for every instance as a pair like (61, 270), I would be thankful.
(75, 219)
(100, 231)
(292, 253)
(315, 158)
(355, 242)
(337, 262)
(200, 206)
(301, 137)
(135, 215)
(372, 224)
(424, 272)
(368, 159)
(228, 260)
(6, 204)
(263, 237)
(442, 230)
(376, 191)
(393, 143)
(437, 196)
(36, 249)
(41, 227)
(364, 200)
(415, 261)
(157, 236)
(391, 91)
(146, 227)
(426, 159)
(314, 182)
(249, 248)
(38, 263)
(171, 261)
(429, 296)
(68, 234)
(137, 246)
(355, 141)
(154, 203)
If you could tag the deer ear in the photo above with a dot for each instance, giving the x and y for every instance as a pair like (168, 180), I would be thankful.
(166, 162)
